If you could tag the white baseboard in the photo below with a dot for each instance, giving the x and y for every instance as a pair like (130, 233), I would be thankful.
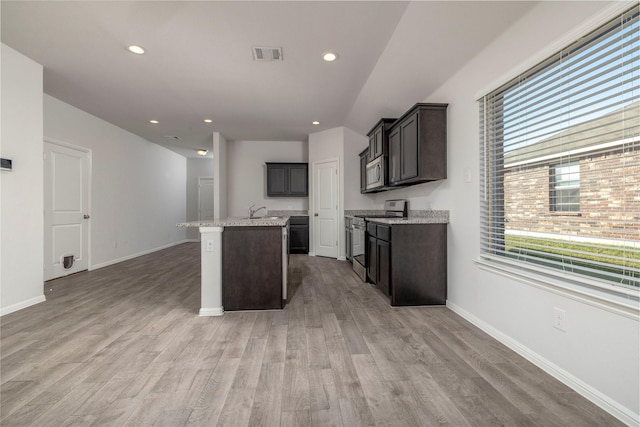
(619, 411)
(21, 305)
(128, 257)
(215, 311)
(189, 241)
(342, 258)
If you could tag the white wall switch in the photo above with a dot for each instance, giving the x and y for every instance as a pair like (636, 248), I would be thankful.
(209, 245)
(560, 319)
(467, 175)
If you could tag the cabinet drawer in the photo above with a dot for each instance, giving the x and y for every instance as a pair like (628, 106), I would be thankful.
(299, 220)
(371, 229)
(383, 232)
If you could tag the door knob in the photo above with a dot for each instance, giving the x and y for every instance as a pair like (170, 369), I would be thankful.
(85, 216)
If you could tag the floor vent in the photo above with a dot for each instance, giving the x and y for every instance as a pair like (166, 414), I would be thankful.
(267, 53)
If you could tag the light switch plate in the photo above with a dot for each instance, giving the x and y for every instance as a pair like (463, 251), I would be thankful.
(467, 175)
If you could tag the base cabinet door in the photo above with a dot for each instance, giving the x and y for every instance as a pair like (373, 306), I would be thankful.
(408, 262)
(384, 267)
(419, 264)
(372, 259)
(299, 235)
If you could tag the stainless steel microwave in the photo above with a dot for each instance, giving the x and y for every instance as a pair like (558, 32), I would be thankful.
(376, 173)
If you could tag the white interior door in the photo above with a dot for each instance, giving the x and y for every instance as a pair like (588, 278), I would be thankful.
(66, 210)
(325, 206)
(205, 198)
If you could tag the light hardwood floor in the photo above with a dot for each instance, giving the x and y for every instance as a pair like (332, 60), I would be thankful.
(124, 345)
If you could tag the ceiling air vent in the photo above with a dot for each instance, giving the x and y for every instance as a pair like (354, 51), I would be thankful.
(267, 53)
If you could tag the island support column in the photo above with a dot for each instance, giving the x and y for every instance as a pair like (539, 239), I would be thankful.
(211, 271)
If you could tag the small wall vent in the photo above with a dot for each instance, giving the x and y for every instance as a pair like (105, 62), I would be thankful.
(267, 53)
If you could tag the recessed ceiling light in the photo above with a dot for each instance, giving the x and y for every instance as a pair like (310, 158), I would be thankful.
(315, 122)
(329, 56)
(201, 152)
(138, 50)
(155, 122)
(208, 121)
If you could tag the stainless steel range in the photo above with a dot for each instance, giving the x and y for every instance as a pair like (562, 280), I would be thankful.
(392, 209)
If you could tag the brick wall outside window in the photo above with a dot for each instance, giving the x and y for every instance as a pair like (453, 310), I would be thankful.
(526, 198)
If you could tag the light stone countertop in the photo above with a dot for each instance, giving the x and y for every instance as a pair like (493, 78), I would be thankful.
(281, 221)
(415, 217)
(288, 213)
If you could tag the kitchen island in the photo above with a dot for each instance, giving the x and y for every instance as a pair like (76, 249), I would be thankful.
(243, 264)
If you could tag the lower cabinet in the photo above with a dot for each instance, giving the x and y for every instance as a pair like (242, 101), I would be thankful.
(371, 255)
(299, 235)
(408, 262)
(252, 268)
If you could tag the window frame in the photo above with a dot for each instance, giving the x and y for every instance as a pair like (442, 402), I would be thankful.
(623, 300)
(556, 202)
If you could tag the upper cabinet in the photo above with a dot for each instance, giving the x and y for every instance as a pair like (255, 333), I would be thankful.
(287, 179)
(378, 137)
(418, 145)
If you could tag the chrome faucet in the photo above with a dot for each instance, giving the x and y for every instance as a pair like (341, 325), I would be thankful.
(252, 211)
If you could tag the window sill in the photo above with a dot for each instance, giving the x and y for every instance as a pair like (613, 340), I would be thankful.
(565, 214)
(616, 299)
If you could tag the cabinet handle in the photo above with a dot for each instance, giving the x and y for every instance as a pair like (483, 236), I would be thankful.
(85, 216)
(315, 214)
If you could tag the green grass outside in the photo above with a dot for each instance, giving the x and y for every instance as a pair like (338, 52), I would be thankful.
(553, 248)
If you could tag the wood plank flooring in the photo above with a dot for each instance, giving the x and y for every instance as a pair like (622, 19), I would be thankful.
(124, 346)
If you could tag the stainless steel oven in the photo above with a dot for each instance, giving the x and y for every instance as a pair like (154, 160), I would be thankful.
(358, 231)
(376, 172)
(392, 209)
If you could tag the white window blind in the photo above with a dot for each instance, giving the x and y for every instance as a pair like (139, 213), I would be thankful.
(560, 161)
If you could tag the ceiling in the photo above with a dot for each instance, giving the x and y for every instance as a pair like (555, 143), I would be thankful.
(199, 64)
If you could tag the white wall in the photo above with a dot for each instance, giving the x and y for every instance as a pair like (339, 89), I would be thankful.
(196, 168)
(599, 353)
(138, 190)
(220, 180)
(21, 200)
(247, 174)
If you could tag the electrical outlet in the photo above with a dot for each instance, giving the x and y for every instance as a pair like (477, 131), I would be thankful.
(560, 319)
(209, 245)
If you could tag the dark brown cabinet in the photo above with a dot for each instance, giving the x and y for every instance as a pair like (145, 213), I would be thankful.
(287, 179)
(299, 235)
(418, 145)
(252, 268)
(371, 255)
(378, 138)
(364, 157)
(408, 262)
